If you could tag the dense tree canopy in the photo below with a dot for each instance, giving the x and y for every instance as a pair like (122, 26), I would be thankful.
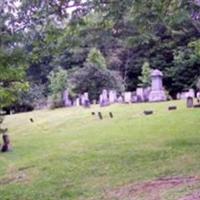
(125, 33)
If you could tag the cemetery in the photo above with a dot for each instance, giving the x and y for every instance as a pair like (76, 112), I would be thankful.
(99, 100)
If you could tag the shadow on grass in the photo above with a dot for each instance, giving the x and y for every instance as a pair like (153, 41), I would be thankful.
(185, 143)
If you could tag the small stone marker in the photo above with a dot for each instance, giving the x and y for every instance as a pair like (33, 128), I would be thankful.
(100, 115)
(93, 113)
(148, 112)
(6, 143)
(172, 108)
(110, 114)
(31, 120)
(189, 102)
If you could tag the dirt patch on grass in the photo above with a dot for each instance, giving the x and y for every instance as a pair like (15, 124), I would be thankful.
(14, 178)
(194, 196)
(153, 190)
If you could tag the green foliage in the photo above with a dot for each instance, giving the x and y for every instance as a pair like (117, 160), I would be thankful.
(96, 58)
(196, 46)
(58, 81)
(145, 78)
(93, 79)
(12, 58)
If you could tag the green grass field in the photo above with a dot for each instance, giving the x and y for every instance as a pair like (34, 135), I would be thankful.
(70, 154)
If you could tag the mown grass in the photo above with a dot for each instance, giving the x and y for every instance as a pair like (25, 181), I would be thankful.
(70, 154)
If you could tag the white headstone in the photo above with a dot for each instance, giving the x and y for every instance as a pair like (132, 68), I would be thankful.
(190, 93)
(157, 92)
(104, 100)
(198, 95)
(140, 94)
(112, 96)
(67, 101)
(127, 97)
(77, 102)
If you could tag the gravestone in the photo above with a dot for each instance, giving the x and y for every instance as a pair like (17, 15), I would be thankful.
(148, 112)
(140, 94)
(172, 108)
(111, 114)
(134, 99)
(198, 97)
(85, 100)
(66, 99)
(189, 102)
(104, 100)
(178, 96)
(77, 101)
(94, 102)
(127, 97)
(190, 93)
(100, 115)
(146, 92)
(112, 96)
(6, 143)
(157, 92)
(120, 99)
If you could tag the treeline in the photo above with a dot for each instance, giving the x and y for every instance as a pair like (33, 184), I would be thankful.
(85, 46)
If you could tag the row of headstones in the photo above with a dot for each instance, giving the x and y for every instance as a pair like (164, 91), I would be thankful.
(189, 93)
(107, 98)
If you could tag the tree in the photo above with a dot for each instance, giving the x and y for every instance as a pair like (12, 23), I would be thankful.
(145, 78)
(95, 57)
(93, 80)
(94, 76)
(58, 81)
(12, 59)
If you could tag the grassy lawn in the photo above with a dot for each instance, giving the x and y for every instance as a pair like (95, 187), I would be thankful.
(70, 154)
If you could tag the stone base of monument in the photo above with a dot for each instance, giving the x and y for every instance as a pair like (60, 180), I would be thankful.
(196, 106)
(156, 96)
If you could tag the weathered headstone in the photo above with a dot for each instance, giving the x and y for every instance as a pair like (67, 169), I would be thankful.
(66, 99)
(134, 97)
(157, 92)
(191, 93)
(6, 143)
(77, 101)
(100, 115)
(120, 99)
(198, 97)
(127, 97)
(104, 100)
(94, 102)
(85, 100)
(146, 92)
(140, 94)
(111, 114)
(189, 102)
(112, 96)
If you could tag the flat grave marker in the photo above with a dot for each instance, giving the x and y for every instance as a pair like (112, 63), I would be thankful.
(170, 108)
(148, 112)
